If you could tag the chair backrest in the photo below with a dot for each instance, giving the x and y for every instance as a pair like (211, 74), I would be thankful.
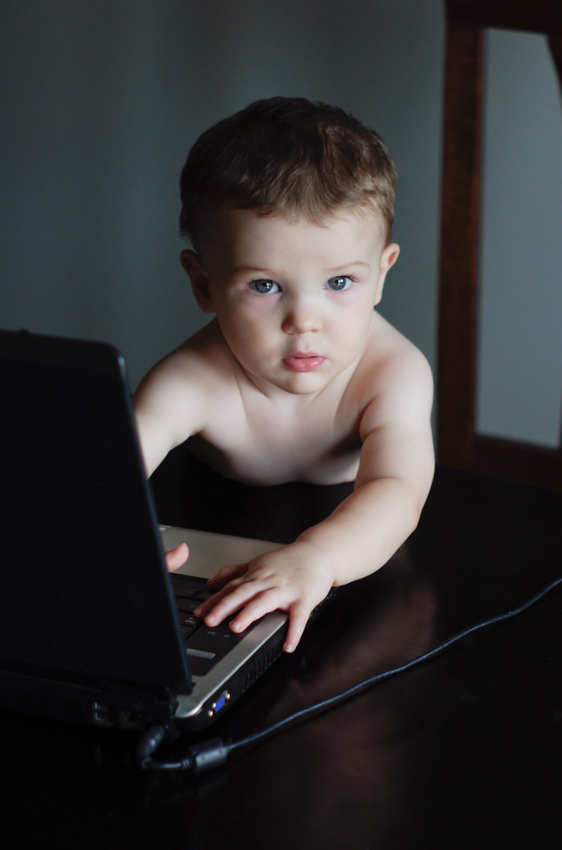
(459, 444)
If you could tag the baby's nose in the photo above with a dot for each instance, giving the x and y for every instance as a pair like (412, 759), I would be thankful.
(302, 318)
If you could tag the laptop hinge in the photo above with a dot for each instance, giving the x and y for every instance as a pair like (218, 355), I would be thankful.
(105, 705)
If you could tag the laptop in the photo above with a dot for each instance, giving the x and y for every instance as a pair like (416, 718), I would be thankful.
(93, 628)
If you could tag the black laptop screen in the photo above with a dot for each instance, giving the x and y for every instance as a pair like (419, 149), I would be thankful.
(84, 587)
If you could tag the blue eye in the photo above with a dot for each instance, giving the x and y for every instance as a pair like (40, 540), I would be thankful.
(264, 287)
(338, 284)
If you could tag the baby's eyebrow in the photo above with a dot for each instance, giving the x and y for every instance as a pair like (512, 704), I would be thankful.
(253, 270)
(270, 273)
(348, 266)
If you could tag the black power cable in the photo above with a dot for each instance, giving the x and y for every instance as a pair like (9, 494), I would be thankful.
(214, 752)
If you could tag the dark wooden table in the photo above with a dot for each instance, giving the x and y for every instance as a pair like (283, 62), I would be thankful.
(462, 752)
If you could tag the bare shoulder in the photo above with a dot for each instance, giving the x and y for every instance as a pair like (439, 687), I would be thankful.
(395, 424)
(174, 400)
(190, 369)
(395, 382)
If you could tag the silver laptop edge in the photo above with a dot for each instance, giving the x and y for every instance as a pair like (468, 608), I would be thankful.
(208, 552)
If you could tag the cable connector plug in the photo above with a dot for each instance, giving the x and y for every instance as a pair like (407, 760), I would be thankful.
(148, 744)
(207, 754)
(197, 759)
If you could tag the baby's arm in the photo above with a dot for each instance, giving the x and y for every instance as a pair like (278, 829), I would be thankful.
(169, 407)
(395, 475)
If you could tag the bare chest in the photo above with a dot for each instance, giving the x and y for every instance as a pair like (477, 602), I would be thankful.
(268, 445)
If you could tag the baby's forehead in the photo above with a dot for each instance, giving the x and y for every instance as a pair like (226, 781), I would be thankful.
(246, 240)
(231, 219)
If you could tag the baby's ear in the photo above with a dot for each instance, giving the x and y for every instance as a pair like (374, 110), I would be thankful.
(194, 268)
(388, 258)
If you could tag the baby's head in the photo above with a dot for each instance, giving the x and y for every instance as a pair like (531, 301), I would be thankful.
(289, 157)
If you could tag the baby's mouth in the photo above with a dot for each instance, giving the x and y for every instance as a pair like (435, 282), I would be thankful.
(303, 361)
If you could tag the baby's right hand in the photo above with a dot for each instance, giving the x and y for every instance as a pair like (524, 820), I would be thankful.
(294, 578)
(175, 558)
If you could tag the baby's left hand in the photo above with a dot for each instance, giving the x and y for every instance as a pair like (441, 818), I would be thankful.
(295, 579)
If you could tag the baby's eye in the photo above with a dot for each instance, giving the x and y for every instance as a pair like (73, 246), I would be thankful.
(338, 284)
(264, 287)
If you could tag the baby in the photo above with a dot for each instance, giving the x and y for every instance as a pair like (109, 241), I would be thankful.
(289, 207)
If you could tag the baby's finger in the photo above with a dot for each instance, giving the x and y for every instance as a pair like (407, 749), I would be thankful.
(226, 574)
(258, 606)
(225, 602)
(298, 618)
(176, 557)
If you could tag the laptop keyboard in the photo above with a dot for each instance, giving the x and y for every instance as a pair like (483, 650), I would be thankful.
(204, 646)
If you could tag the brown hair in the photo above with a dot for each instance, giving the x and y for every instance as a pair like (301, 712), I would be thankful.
(289, 156)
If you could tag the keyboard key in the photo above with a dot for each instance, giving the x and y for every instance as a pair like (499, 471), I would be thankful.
(187, 605)
(200, 653)
(218, 641)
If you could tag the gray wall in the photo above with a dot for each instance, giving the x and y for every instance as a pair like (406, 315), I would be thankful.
(520, 349)
(101, 100)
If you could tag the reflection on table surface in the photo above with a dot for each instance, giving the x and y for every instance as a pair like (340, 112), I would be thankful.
(463, 751)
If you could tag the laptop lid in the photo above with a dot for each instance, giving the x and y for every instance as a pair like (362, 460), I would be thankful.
(82, 565)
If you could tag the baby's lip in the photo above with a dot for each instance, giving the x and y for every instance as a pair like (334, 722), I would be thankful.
(303, 361)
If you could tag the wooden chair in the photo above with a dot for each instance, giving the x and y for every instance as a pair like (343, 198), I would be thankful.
(458, 443)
